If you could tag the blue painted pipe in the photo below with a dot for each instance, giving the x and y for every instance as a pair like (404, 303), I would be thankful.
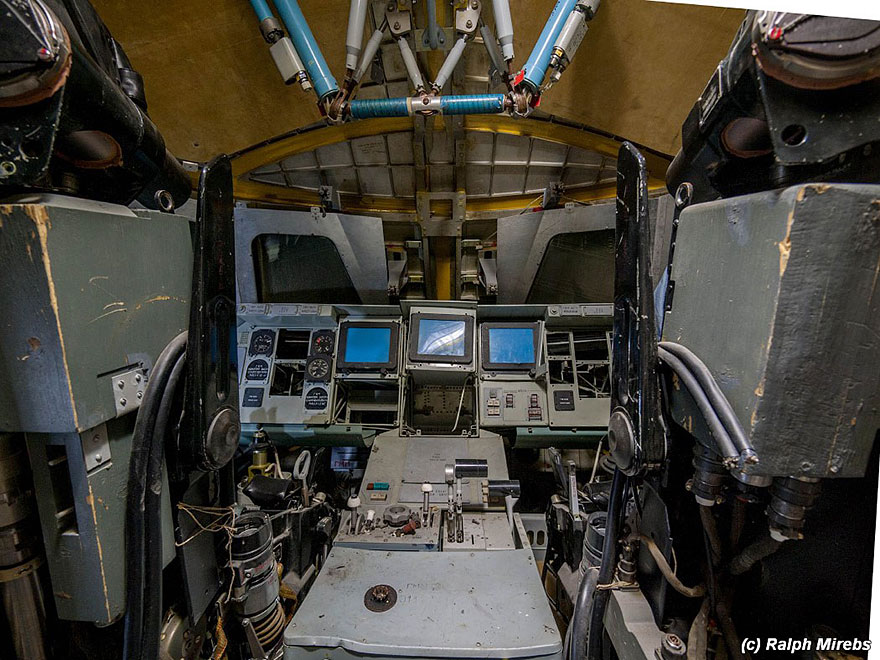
(476, 104)
(539, 60)
(307, 47)
(261, 9)
(371, 108)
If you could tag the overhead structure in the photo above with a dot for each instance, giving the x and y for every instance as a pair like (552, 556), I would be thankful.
(299, 56)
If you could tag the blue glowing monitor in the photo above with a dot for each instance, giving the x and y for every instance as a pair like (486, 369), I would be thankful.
(442, 337)
(512, 345)
(364, 345)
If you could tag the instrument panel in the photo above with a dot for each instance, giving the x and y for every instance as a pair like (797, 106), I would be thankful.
(287, 376)
(436, 370)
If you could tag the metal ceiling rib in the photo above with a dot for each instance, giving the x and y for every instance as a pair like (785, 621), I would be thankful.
(496, 165)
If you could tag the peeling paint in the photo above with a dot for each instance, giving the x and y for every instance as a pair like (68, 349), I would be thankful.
(90, 499)
(40, 217)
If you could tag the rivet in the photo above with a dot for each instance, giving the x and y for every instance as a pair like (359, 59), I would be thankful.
(98, 458)
(120, 384)
(123, 401)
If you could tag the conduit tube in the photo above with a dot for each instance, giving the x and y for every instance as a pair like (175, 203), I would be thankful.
(539, 60)
(357, 17)
(308, 49)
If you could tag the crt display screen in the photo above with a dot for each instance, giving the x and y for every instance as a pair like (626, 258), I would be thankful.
(367, 345)
(511, 345)
(441, 337)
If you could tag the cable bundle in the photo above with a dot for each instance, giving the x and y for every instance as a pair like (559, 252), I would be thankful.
(143, 530)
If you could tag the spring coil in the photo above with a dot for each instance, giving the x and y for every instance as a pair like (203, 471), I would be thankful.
(269, 629)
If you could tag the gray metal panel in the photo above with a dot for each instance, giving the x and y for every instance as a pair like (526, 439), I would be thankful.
(523, 239)
(788, 280)
(459, 605)
(88, 289)
(393, 459)
(629, 623)
(359, 240)
(84, 547)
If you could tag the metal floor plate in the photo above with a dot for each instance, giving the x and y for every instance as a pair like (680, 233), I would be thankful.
(449, 604)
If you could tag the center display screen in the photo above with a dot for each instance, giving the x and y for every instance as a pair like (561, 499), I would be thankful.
(441, 337)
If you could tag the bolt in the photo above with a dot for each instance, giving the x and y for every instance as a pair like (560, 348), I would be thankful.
(673, 641)
(469, 24)
(123, 402)
(391, 6)
(380, 593)
(475, 5)
(396, 25)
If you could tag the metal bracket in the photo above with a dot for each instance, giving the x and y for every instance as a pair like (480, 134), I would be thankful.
(489, 275)
(96, 447)
(128, 390)
(397, 276)
(440, 226)
(467, 17)
(330, 200)
(399, 21)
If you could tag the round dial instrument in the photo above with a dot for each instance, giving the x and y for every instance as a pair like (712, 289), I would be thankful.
(322, 343)
(318, 368)
(262, 342)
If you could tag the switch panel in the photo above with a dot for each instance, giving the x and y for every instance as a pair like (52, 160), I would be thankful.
(513, 403)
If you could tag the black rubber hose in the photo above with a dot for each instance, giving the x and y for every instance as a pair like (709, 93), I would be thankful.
(713, 392)
(606, 569)
(135, 502)
(725, 445)
(752, 554)
(152, 516)
(580, 618)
